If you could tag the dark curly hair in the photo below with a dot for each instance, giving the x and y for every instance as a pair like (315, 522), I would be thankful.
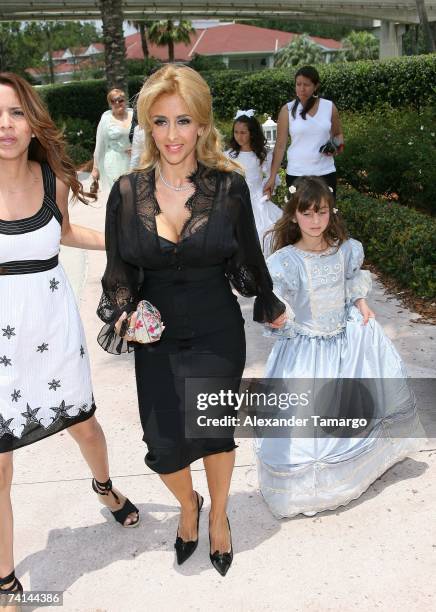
(309, 72)
(257, 138)
(310, 191)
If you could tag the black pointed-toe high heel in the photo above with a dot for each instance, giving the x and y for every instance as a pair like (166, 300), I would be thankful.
(185, 549)
(222, 561)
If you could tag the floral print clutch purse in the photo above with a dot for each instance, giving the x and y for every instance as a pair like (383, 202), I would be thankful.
(148, 326)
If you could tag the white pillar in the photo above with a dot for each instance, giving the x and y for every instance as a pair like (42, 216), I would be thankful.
(391, 39)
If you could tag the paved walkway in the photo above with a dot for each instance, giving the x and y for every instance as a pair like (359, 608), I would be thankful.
(377, 553)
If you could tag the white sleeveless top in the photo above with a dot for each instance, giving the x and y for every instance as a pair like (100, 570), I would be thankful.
(307, 136)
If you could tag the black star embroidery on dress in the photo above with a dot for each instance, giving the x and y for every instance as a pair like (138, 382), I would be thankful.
(8, 331)
(5, 361)
(54, 384)
(54, 284)
(30, 415)
(16, 395)
(4, 426)
(82, 351)
(42, 347)
(61, 410)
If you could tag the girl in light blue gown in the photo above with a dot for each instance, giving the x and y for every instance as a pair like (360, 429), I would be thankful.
(330, 334)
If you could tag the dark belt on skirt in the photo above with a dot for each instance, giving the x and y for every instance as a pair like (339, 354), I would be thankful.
(28, 266)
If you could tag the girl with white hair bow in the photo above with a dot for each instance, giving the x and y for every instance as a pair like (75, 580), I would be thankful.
(248, 148)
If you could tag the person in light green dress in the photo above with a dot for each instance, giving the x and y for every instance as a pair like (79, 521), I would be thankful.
(112, 146)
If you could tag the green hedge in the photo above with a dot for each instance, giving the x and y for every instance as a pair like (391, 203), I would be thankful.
(405, 81)
(353, 86)
(81, 100)
(77, 108)
(391, 152)
(400, 241)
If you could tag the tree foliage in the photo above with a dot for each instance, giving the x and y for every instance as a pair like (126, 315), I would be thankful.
(166, 33)
(360, 46)
(312, 28)
(24, 45)
(301, 50)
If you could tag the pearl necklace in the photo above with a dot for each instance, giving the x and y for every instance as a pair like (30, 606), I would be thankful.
(167, 184)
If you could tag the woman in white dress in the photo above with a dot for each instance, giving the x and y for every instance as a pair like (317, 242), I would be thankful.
(248, 148)
(45, 382)
(112, 144)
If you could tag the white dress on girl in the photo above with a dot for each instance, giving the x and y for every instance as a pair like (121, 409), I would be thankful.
(324, 338)
(256, 174)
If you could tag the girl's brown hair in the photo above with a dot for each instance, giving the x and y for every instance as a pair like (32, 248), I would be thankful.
(195, 92)
(48, 144)
(310, 191)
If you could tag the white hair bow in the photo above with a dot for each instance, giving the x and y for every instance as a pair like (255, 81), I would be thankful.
(247, 113)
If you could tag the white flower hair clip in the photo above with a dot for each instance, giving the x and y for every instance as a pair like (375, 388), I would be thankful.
(292, 189)
(246, 113)
(331, 189)
(335, 211)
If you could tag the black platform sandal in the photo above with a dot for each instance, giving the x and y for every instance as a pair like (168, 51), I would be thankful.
(15, 587)
(104, 488)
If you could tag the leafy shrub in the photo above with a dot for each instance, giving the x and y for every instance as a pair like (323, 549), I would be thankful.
(82, 100)
(353, 86)
(80, 136)
(400, 241)
(204, 62)
(142, 67)
(392, 152)
(78, 153)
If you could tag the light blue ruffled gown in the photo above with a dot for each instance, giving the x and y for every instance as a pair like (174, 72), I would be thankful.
(324, 338)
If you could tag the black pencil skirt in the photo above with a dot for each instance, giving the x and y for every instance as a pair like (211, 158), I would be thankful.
(163, 371)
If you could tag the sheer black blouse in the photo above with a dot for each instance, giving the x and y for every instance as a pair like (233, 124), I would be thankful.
(187, 281)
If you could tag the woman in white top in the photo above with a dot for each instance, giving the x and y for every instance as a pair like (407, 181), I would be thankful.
(311, 122)
(112, 145)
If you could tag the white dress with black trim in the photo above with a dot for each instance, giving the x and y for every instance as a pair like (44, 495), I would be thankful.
(45, 381)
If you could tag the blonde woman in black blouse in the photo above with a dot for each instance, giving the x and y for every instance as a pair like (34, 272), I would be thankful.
(179, 231)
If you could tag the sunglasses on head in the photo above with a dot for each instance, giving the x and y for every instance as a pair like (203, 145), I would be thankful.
(118, 100)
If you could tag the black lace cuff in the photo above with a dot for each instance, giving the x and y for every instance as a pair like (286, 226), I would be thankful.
(267, 308)
(107, 338)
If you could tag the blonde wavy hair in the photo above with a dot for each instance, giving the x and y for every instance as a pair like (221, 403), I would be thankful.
(195, 92)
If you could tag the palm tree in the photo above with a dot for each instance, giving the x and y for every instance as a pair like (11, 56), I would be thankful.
(166, 33)
(423, 20)
(114, 46)
(301, 50)
(142, 27)
(360, 46)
